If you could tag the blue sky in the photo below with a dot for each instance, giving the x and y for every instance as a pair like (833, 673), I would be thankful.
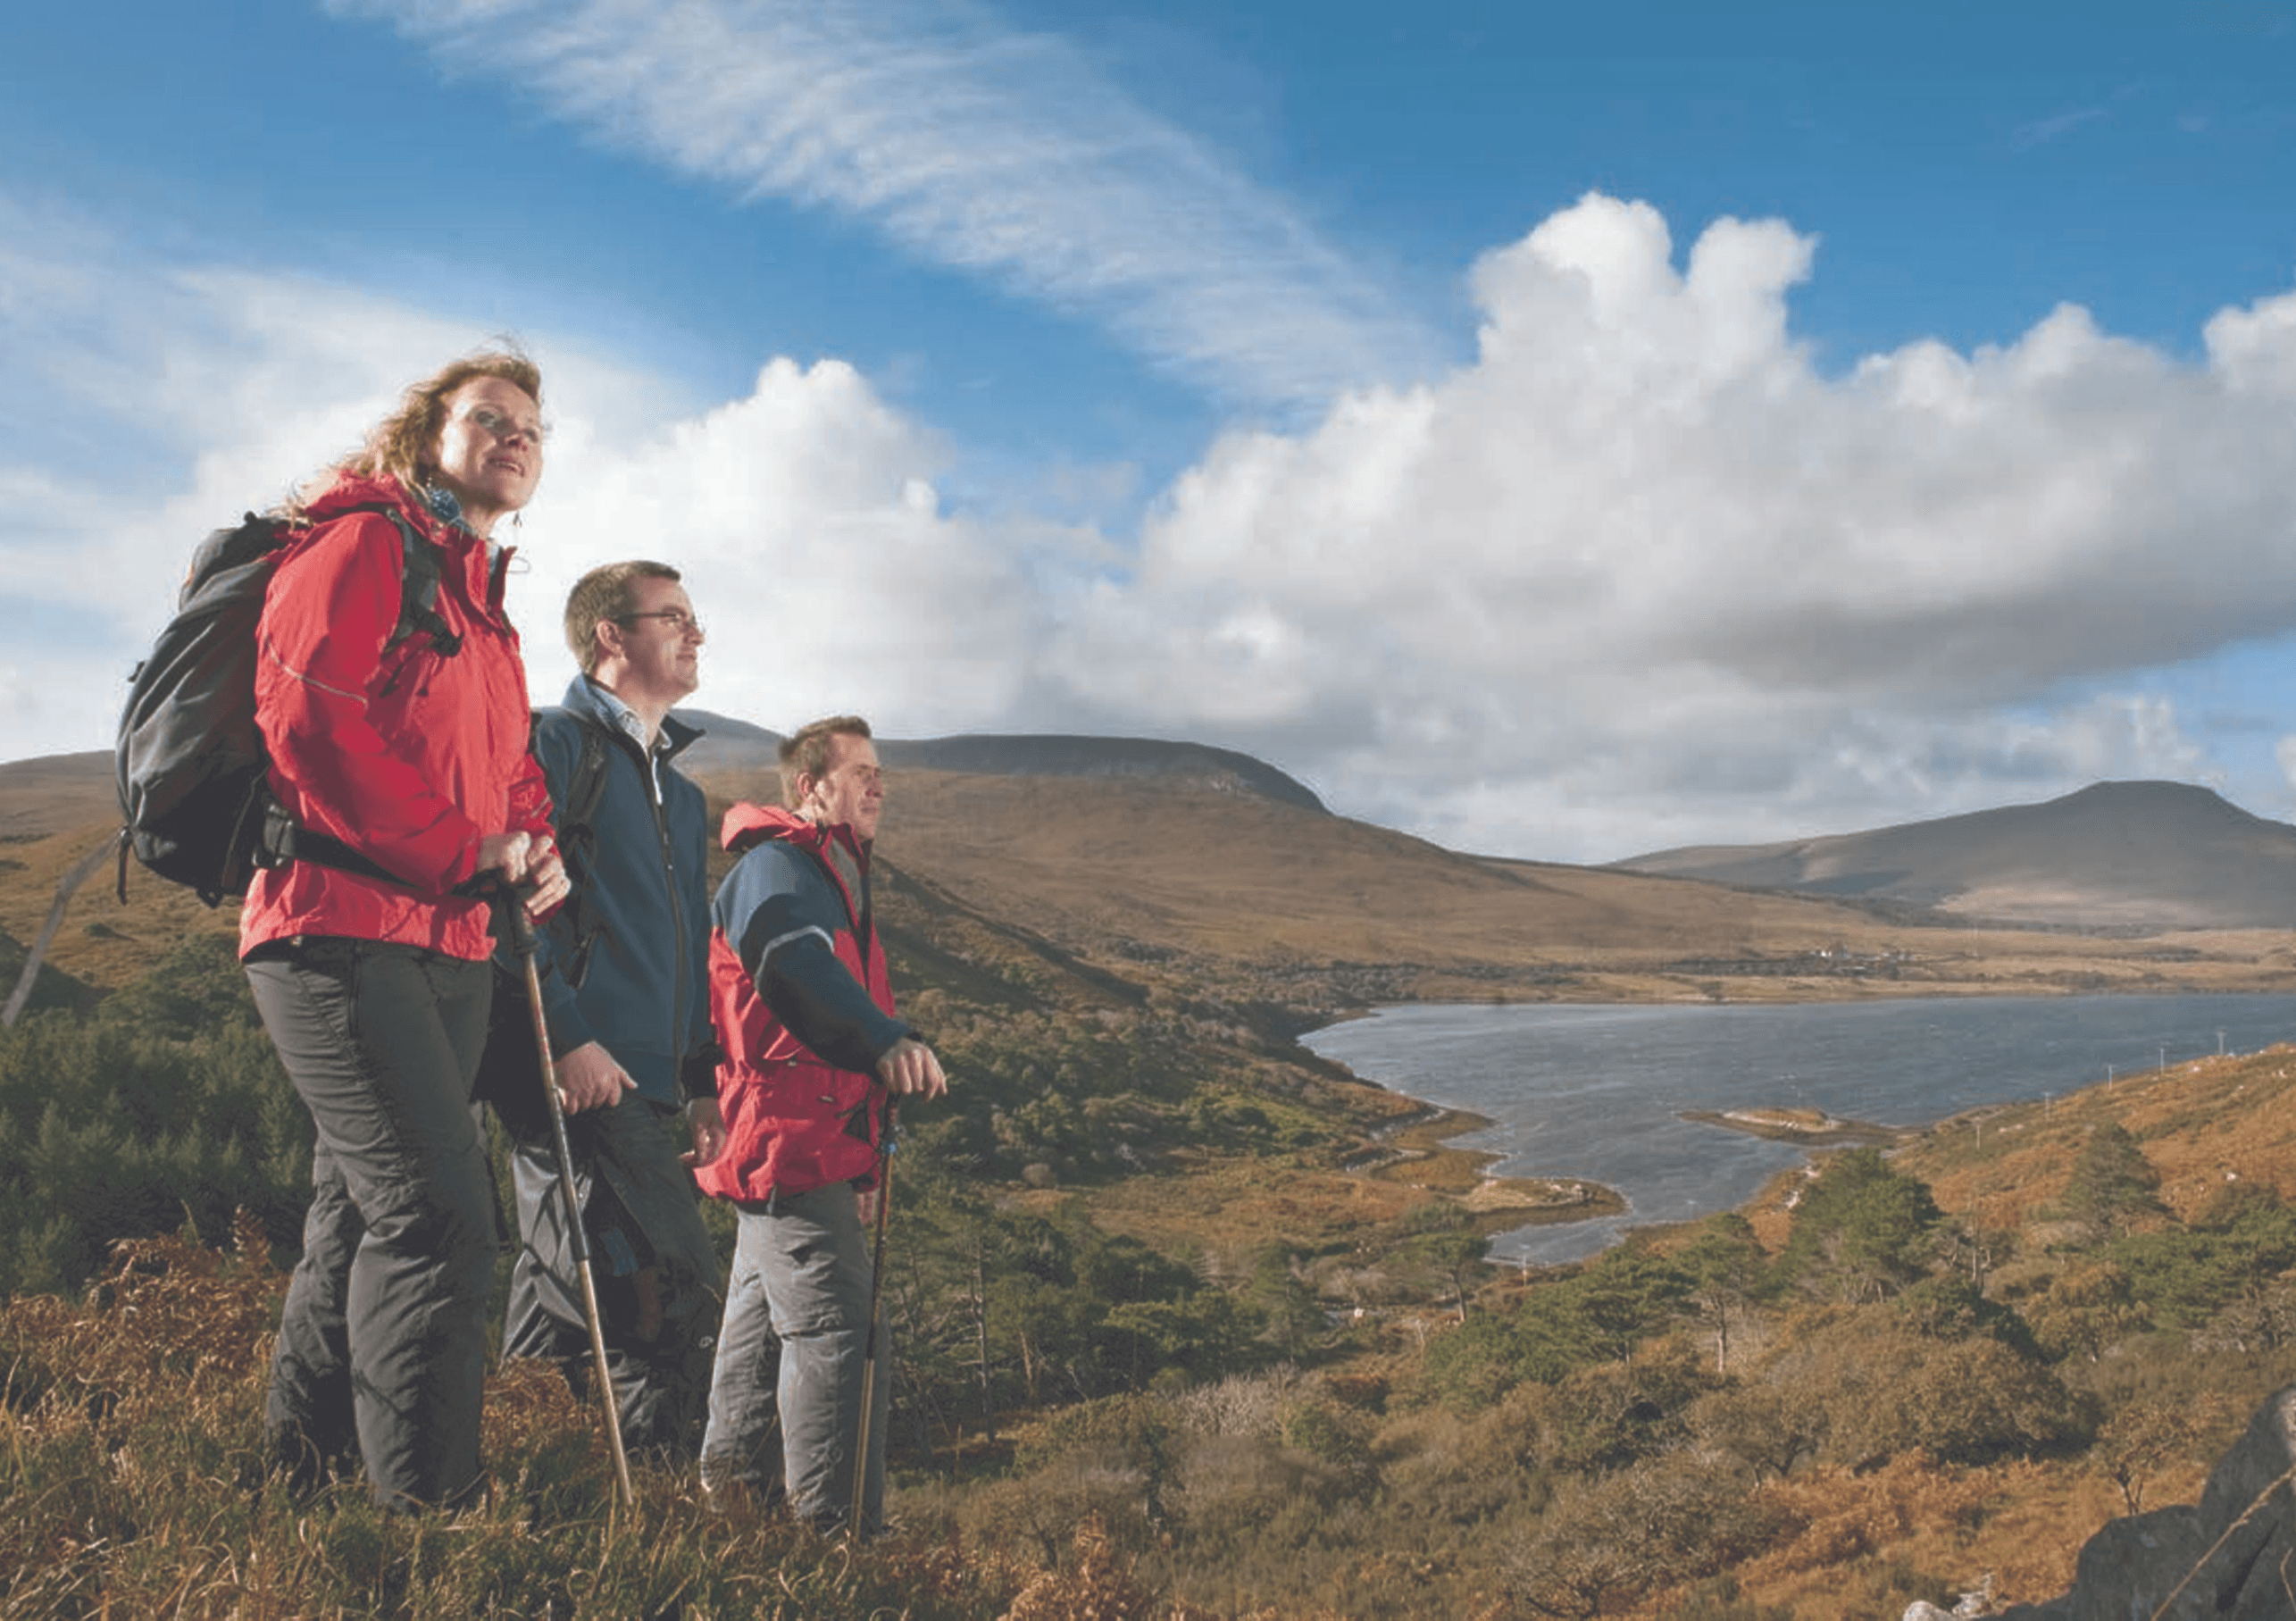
(1562, 431)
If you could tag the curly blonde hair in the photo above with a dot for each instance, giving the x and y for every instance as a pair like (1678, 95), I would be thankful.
(404, 445)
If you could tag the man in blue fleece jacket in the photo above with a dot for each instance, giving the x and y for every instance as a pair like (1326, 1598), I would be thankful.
(626, 1000)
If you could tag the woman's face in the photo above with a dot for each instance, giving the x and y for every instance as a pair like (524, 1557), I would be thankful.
(490, 449)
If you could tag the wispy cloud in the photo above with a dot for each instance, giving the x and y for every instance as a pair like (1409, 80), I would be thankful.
(1005, 153)
(2060, 126)
(2042, 131)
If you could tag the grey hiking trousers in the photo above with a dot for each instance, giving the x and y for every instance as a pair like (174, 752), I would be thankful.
(383, 1343)
(785, 1401)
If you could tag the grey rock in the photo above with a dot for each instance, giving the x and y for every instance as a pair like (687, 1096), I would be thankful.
(2231, 1558)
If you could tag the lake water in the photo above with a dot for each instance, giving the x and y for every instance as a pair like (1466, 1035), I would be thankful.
(1596, 1091)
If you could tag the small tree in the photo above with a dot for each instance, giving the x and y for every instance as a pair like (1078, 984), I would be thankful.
(1726, 1267)
(1863, 1230)
(2114, 1185)
(2144, 1437)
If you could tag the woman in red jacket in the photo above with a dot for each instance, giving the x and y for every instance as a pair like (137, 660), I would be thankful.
(409, 748)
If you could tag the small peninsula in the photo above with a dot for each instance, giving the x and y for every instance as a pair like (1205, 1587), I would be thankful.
(1811, 1128)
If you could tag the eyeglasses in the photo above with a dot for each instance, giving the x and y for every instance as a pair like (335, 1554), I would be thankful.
(680, 622)
(505, 428)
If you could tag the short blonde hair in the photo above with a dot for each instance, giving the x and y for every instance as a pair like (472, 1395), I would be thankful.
(602, 596)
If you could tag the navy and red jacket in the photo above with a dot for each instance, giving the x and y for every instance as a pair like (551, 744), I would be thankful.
(804, 1008)
(406, 754)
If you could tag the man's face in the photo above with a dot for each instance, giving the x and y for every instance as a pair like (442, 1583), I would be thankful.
(850, 789)
(661, 644)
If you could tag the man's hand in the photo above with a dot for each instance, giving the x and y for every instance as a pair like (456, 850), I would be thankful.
(709, 1132)
(545, 871)
(528, 861)
(589, 1078)
(909, 1070)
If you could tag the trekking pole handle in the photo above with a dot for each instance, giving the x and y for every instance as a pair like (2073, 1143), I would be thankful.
(512, 897)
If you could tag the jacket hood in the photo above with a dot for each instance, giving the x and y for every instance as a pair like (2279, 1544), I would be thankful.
(749, 825)
(353, 489)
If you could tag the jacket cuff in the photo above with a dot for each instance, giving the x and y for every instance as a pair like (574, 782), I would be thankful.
(568, 1028)
(885, 1035)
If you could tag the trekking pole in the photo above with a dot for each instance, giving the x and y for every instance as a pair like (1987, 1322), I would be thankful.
(869, 1350)
(521, 932)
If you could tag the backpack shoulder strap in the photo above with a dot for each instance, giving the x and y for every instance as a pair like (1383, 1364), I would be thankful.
(418, 603)
(577, 810)
(575, 801)
(421, 573)
(587, 784)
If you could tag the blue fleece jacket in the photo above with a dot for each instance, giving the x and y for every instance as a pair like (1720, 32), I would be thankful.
(626, 962)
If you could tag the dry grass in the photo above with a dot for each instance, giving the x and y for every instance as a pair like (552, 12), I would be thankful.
(132, 1482)
(1218, 1205)
(2203, 1123)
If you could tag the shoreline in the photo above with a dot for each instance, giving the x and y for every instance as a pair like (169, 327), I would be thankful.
(1413, 1144)
(1414, 1149)
(1810, 1128)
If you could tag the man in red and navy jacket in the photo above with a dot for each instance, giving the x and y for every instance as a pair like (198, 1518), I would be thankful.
(804, 1008)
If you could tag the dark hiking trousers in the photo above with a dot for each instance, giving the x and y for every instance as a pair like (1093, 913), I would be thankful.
(383, 1341)
(655, 1269)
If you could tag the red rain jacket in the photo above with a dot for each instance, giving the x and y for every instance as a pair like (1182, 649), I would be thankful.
(408, 757)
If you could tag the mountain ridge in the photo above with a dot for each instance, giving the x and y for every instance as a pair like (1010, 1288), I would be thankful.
(1128, 851)
(2135, 855)
(733, 745)
(44, 793)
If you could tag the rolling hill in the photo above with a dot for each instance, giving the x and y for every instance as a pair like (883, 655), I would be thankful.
(730, 745)
(1121, 854)
(2145, 855)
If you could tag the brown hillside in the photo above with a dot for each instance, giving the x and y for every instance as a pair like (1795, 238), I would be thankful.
(2114, 856)
(1269, 901)
(1128, 871)
(2201, 1123)
(54, 793)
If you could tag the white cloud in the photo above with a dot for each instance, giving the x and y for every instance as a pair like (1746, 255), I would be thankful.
(1640, 575)
(970, 145)
(1642, 555)
(804, 519)
(804, 514)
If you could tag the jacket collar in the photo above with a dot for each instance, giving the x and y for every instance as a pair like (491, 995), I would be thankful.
(746, 825)
(483, 566)
(585, 697)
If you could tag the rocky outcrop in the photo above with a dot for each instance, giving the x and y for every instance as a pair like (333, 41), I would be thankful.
(2230, 1557)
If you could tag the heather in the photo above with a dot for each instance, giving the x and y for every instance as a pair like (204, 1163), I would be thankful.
(1165, 1355)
